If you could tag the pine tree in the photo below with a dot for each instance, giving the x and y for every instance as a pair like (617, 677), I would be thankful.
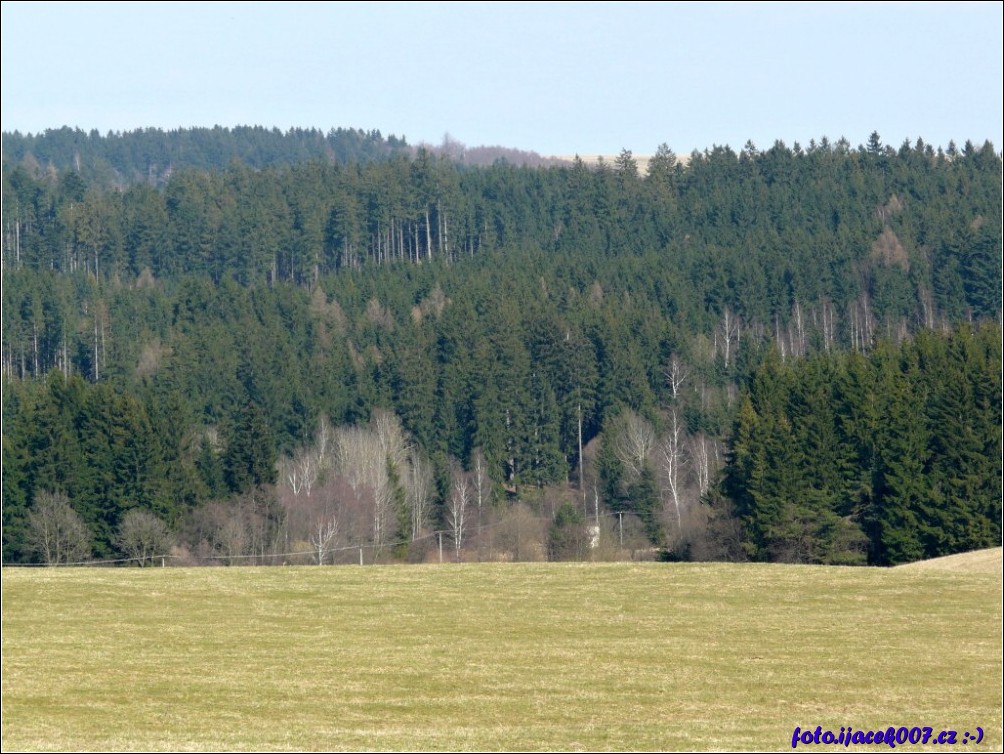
(902, 523)
(250, 457)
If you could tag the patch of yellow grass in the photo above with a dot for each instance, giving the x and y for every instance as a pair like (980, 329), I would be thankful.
(978, 561)
(493, 656)
(592, 160)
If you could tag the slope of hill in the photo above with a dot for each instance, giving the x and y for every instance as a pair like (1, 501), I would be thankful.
(979, 561)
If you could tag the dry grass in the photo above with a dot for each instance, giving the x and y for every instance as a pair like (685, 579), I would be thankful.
(493, 657)
(979, 561)
(592, 160)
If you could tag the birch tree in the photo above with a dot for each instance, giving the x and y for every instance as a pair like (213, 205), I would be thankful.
(704, 454)
(676, 375)
(370, 459)
(634, 442)
(729, 333)
(457, 508)
(290, 474)
(323, 536)
(418, 491)
(391, 437)
(307, 466)
(673, 458)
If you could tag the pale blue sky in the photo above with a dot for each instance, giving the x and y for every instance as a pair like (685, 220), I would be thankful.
(556, 78)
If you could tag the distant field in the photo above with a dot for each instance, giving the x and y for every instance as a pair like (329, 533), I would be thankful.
(594, 159)
(641, 159)
(502, 656)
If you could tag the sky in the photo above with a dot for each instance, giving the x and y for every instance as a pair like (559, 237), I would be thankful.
(555, 78)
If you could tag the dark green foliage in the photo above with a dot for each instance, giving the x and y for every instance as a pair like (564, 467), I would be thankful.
(250, 456)
(150, 155)
(644, 501)
(568, 538)
(166, 335)
(212, 475)
(84, 441)
(899, 452)
(745, 230)
(612, 472)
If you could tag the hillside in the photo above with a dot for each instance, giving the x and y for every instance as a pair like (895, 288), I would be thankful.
(790, 354)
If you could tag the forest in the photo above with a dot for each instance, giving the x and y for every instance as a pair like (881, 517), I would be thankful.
(254, 346)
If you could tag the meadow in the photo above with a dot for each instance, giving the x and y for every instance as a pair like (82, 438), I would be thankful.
(618, 656)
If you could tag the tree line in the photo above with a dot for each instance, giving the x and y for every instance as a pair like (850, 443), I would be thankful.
(151, 155)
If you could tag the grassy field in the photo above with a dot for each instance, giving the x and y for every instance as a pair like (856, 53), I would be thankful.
(502, 656)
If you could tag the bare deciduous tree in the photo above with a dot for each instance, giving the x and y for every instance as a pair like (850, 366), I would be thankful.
(308, 470)
(289, 472)
(520, 535)
(382, 514)
(704, 453)
(323, 537)
(352, 451)
(829, 328)
(457, 508)
(56, 532)
(306, 462)
(728, 334)
(363, 464)
(300, 472)
(676, 375)
(633, 442)
(391, 436)
(232, 539)
(367, 458)
(142, 536)
(419, 491)
(673, 459)
(796, 331)
(779, 339)
(324, 440)
(245, 529)
(861, 324)
(482, 482)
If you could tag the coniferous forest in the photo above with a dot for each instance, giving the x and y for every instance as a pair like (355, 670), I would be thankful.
(233, 346)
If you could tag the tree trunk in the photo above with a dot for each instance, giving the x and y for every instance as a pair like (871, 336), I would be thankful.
(428, 235)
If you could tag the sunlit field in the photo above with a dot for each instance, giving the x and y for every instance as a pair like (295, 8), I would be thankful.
(500, 656)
